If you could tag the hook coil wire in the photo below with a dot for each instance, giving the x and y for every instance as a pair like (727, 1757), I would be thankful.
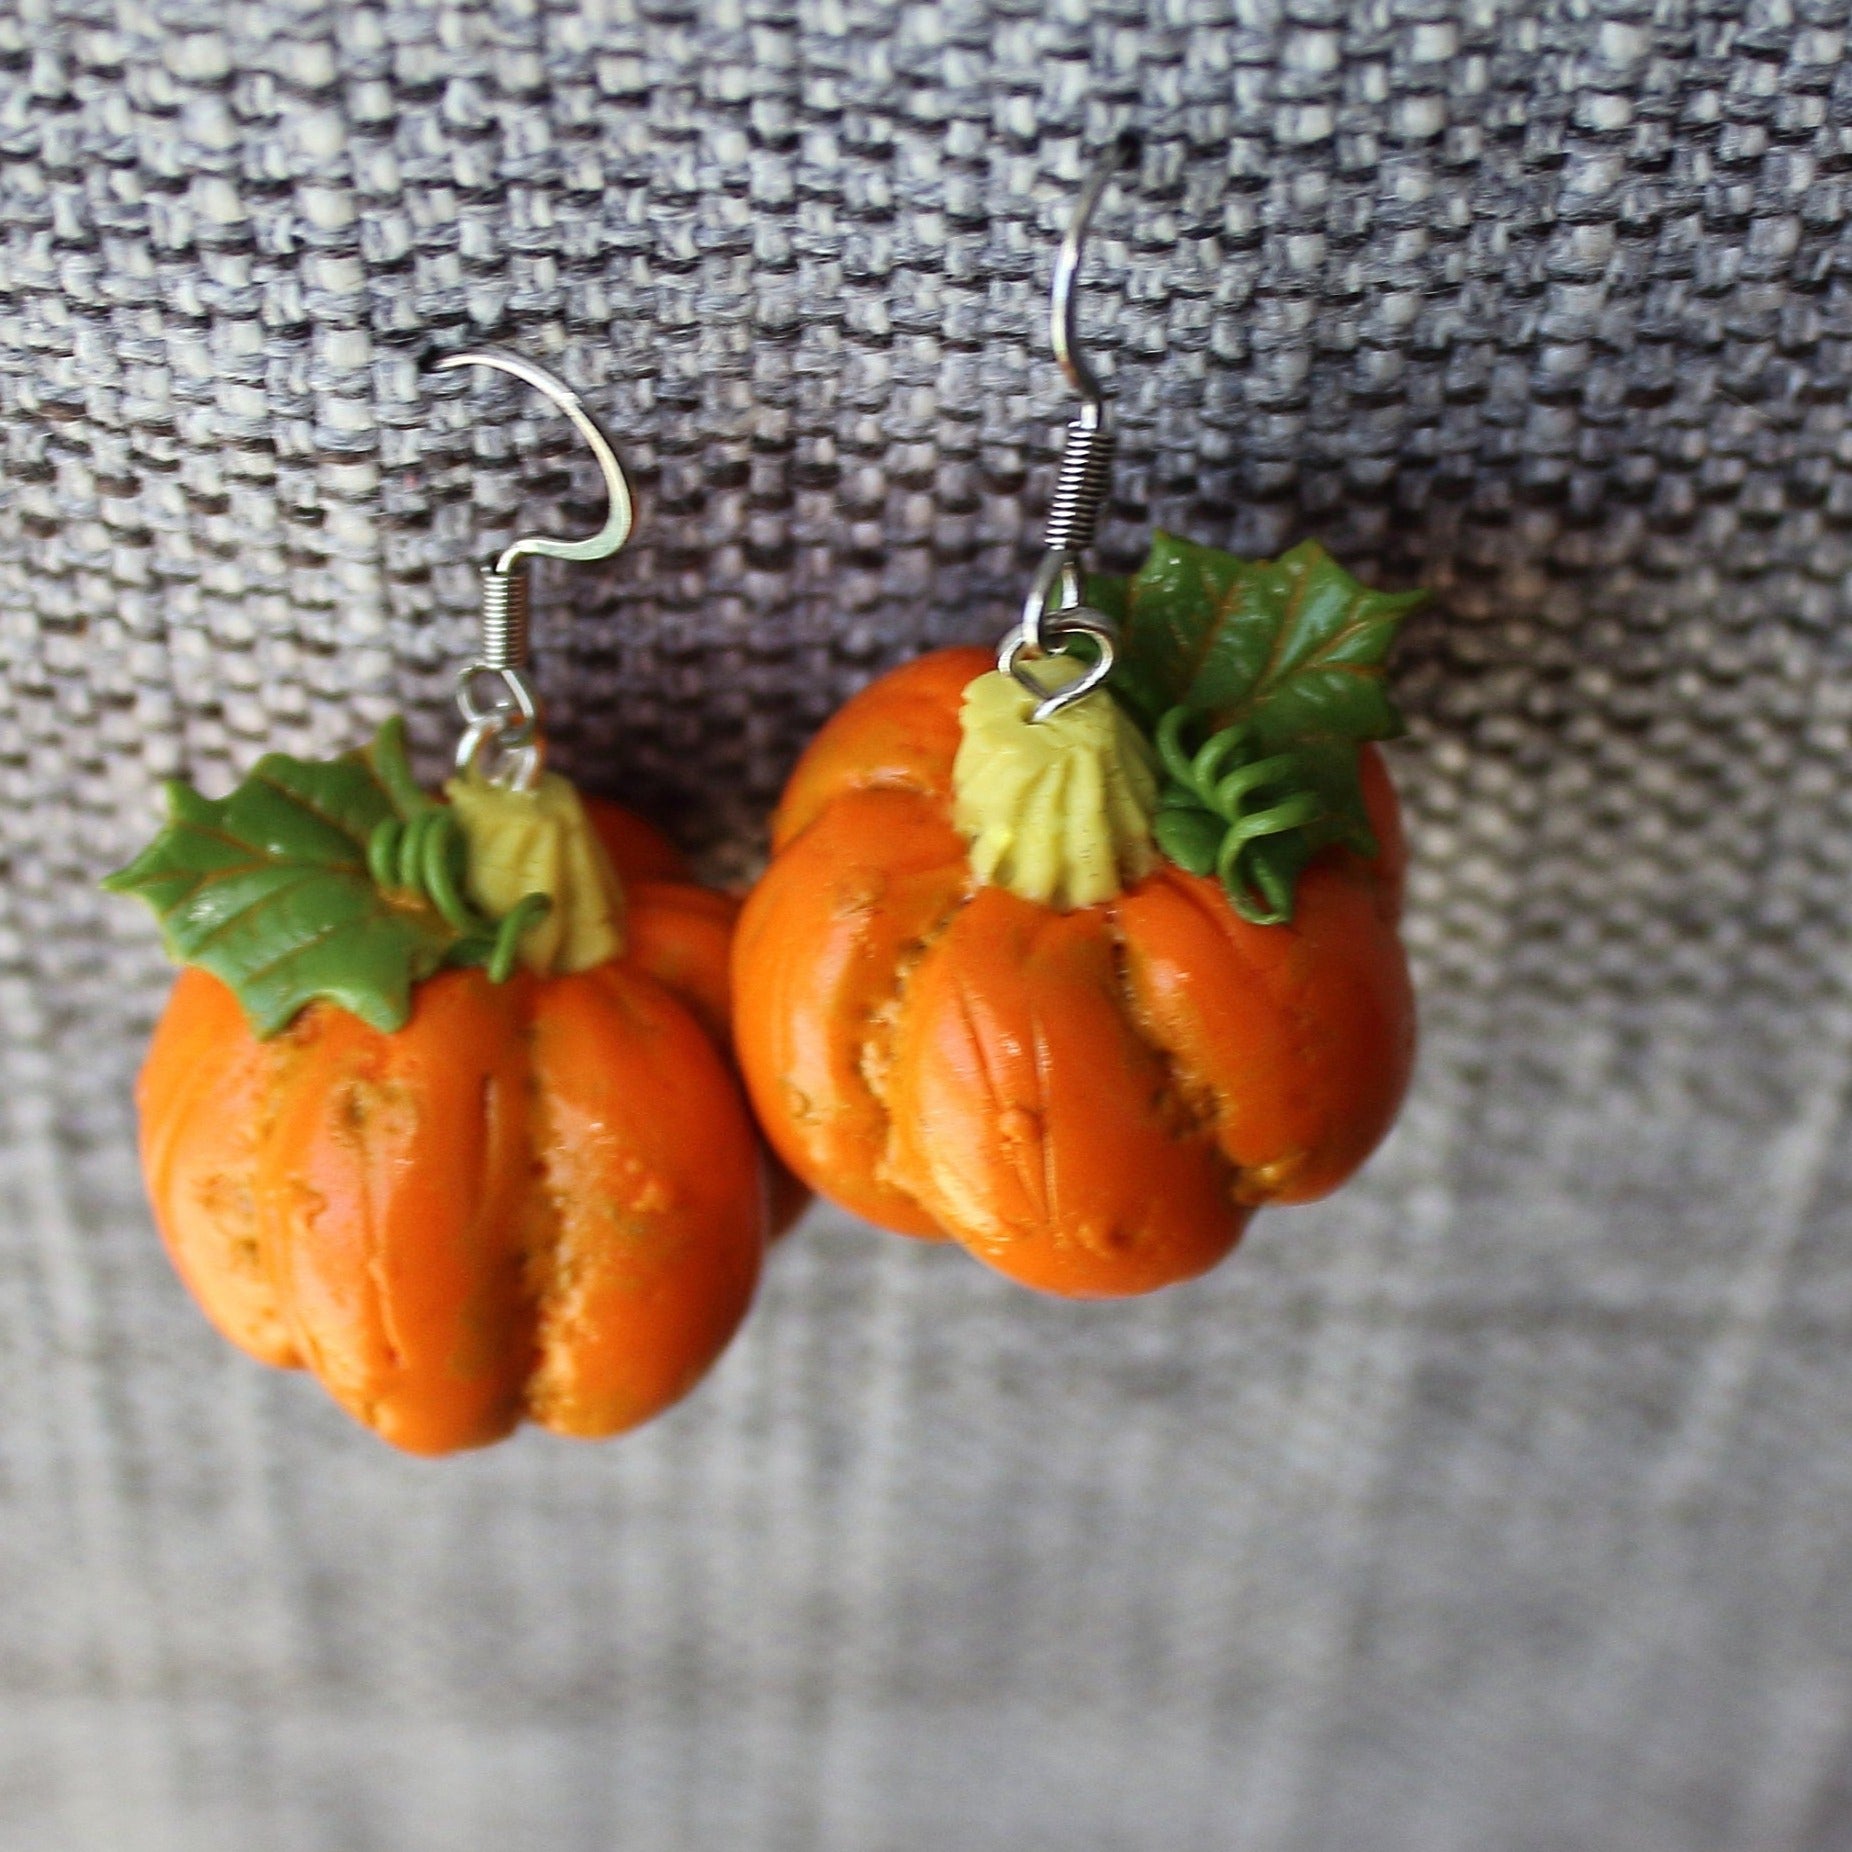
(1054, 613)
(1080, 488)
(501, 735)
(505, 609)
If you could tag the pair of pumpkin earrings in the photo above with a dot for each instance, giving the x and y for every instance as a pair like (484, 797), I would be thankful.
(1074, 953)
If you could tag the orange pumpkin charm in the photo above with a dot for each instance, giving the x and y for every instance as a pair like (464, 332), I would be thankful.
(980, 993)
(461, 1180)
(443, 1107)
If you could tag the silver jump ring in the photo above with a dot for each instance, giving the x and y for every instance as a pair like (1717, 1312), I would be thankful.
(1044, 631)
(1082, 623)
(1053, 612)
(501, 742)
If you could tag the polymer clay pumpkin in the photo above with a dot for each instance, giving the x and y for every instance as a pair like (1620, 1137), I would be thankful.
(442, 1108)
(1083, 994)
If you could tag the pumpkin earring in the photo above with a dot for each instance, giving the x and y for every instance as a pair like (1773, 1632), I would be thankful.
(441, 1108)
(1080, 953)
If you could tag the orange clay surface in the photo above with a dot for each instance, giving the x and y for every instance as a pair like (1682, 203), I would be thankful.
(540, 1199)
(1092, 1102)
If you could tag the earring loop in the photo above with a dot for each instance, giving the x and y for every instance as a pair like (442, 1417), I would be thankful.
(505, 736)
(1084, 478)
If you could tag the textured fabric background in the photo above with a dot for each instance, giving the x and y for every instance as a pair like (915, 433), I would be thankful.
(1500, 1505)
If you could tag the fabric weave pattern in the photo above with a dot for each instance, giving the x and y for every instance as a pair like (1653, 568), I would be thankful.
(1500, 1503)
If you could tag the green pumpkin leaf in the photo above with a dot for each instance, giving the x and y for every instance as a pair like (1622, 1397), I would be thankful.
(269, 890)
(1272, 671)
(1329, 768)
(1292, 647)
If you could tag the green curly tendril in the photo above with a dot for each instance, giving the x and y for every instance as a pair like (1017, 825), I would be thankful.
(421, 851)
(1236, 815)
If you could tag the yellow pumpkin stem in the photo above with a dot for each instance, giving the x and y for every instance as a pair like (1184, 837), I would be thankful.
(1058, 811)
(541, 842)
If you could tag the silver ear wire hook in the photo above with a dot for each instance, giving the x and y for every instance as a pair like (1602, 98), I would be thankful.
(1063, 323)
(509, 724)
(1084, 478)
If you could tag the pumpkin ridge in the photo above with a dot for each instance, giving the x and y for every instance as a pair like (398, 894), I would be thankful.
(377, 1259)
(491, 1108)
(162, 1153)
(1046, 1194)
(303, 1216)
(1292, 1002)
(543, 1222)
(276, 1241)
(278, 1074)
(650, 1231)
(1040, 1191)
(1196, 1104)
(557, 1277)
(881, 1027)
(1284, 996)
(202, 1074)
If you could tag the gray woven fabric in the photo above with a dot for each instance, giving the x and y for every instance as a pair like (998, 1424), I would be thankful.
(1500, 1504)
